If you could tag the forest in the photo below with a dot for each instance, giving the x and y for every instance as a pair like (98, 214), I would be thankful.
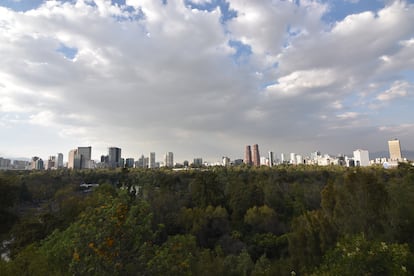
(284, 220)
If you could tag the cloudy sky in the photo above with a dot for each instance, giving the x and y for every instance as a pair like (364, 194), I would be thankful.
(204, 78)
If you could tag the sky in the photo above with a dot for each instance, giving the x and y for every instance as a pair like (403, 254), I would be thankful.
(204, 78)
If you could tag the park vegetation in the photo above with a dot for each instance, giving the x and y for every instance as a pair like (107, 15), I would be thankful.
(284, 220)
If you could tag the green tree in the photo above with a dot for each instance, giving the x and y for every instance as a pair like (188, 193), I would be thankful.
(114, 238)
(356, 255)
(174, 257)
(261, 219)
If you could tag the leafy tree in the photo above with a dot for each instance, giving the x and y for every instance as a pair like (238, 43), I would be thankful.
(175, 257)
(261, 219)
(114, 238)
(206, 190)
(355, 255)
(240, 264)
(312, 235)
(207, 224)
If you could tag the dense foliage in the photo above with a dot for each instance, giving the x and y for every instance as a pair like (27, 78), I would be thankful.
(302, 220)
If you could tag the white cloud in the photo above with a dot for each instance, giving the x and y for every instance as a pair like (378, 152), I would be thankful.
(299, 81)
(398, 90)
(348, 115)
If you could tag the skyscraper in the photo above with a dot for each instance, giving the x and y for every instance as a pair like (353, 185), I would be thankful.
(73, 161)
(361, 158)
(395, 150)
(85, 155)
(51, 163)
(271, 159)
(129, 162)
(256, 155)
(248, 156)
(59, 164)
(151, 160)
(114, 157)
(80, 158)
(198, 162)
(169, 159)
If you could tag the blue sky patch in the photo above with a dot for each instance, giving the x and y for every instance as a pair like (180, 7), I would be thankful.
(243, 51)
(224, 6)
(68, 52)
(22, 5)
(339, 9)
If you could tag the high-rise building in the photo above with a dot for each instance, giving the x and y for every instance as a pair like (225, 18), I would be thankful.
(271, 159)
(198, 162)
(37, 163)
(114, 157)
(59, 164)
(4, 163)
(151, 160)
(141, 162)
(71, 159)
(80, 158)
(169, 159)
(129, 162)
(292, 158)
(395, 150)
(248, 156)
(85, 156)
(282, 158)
(225, 161)
(361, 158)
(299, 159)
(255, 155)
(51, 163)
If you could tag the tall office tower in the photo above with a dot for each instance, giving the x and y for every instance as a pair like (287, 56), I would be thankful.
(395, 150)
(256, 155)
(248, 156)
(85, 155)
(114, 157)
(51, 163)
(151, 160)
(299, 159)
(36, 163)
(282, 158)
(71, 159)
(292, 158)
(39, 165)
(80, 158)
(141, 162)
(361, 158)
(198, 162)
(33, 162)
(169, 159)
(5, 163)
(59, 163)
(129, 162)
(271, 159)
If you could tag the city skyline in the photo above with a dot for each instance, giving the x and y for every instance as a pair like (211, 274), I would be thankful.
(82, 155)
(198, 78)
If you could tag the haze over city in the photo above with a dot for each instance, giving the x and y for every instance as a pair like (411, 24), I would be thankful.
(204, 78)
